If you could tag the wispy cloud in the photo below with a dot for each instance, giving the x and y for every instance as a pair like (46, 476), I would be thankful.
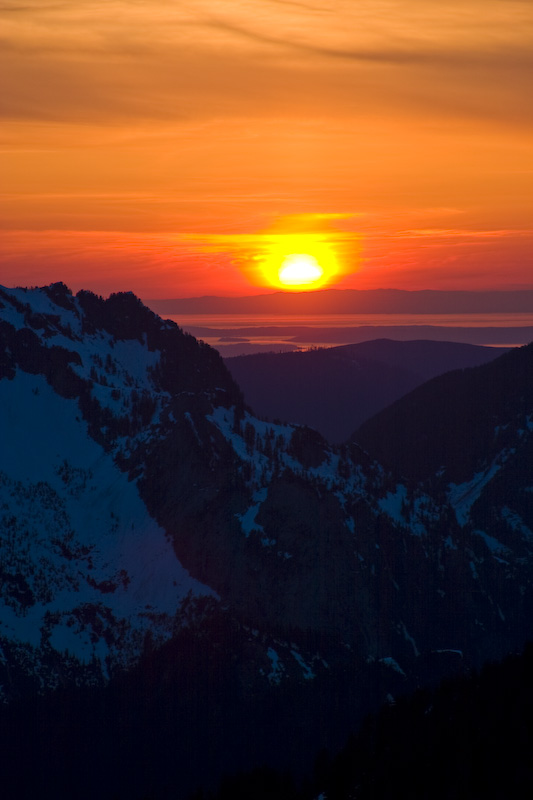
(450, 233)
(185, 59)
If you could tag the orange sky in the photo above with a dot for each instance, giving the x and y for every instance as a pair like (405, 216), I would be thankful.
(167, 147)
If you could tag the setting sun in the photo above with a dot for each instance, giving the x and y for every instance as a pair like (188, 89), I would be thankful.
(300, 269)
(303, 253)
(299, 261)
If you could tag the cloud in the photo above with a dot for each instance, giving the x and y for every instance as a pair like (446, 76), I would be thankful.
(409, 52)
(187, 60)
(450, 233)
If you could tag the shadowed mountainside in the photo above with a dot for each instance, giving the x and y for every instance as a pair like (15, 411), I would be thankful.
(335, 390)
(457, 422)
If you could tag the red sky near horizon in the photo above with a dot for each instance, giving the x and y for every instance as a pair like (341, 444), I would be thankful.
(185, 148)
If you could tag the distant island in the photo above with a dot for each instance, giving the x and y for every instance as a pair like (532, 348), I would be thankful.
(354, 301)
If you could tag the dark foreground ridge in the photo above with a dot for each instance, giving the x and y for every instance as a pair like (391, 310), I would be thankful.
(470, 738)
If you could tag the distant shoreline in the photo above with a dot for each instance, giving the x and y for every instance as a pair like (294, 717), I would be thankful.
(353, 301)
(239, 336)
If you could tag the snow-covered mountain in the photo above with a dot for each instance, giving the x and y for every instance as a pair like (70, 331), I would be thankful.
(124, 442)
(468, 435)
(141, 503)
(86, 571)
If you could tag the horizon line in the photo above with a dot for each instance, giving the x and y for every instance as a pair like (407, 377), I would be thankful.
(314, 292)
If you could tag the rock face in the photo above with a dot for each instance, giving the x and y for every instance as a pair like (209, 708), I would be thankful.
(143, 506)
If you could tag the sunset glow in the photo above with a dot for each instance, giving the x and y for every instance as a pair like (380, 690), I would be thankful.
(157, 146)
(293, 261)
(300, 270)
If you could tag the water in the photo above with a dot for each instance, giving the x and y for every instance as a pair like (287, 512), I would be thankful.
(245, 333)
(352, 320)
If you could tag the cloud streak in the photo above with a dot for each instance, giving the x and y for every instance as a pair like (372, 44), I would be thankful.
(162, 80)
(451, 233)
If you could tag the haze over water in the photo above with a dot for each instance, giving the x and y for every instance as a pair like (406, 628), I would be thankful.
(232, 334)
(497, 320)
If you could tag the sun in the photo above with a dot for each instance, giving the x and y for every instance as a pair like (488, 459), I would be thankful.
(300, 269)
(298, 262)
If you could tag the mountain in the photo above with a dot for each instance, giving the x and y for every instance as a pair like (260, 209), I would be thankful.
(458, 424)
(354, 301)
(467, 437)
(335, 389)
(187, 590)
(469, 737)
(86, 570)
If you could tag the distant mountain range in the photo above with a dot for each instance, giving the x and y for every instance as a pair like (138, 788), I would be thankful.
(334, 390)
(354, 301)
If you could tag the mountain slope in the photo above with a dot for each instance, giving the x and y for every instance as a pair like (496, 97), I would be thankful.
(457, 422)
(164, 544)
(467, 437)
(137, 436)
(85, 569)
(334, 390)
(135, 420)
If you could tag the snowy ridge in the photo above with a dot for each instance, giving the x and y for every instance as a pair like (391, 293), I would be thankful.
(85, 557)
(267, 448)
(118, 374)
(86, 571)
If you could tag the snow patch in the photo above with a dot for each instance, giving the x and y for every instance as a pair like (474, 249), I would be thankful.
(190, 420)
(247, 520)
(393, 664)
(449, 543)
(306, 669)
(450, 650)
(408, 638)
(392, 503)
(493, 544)
(517, 524)
(277, 669)
(462, 496)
